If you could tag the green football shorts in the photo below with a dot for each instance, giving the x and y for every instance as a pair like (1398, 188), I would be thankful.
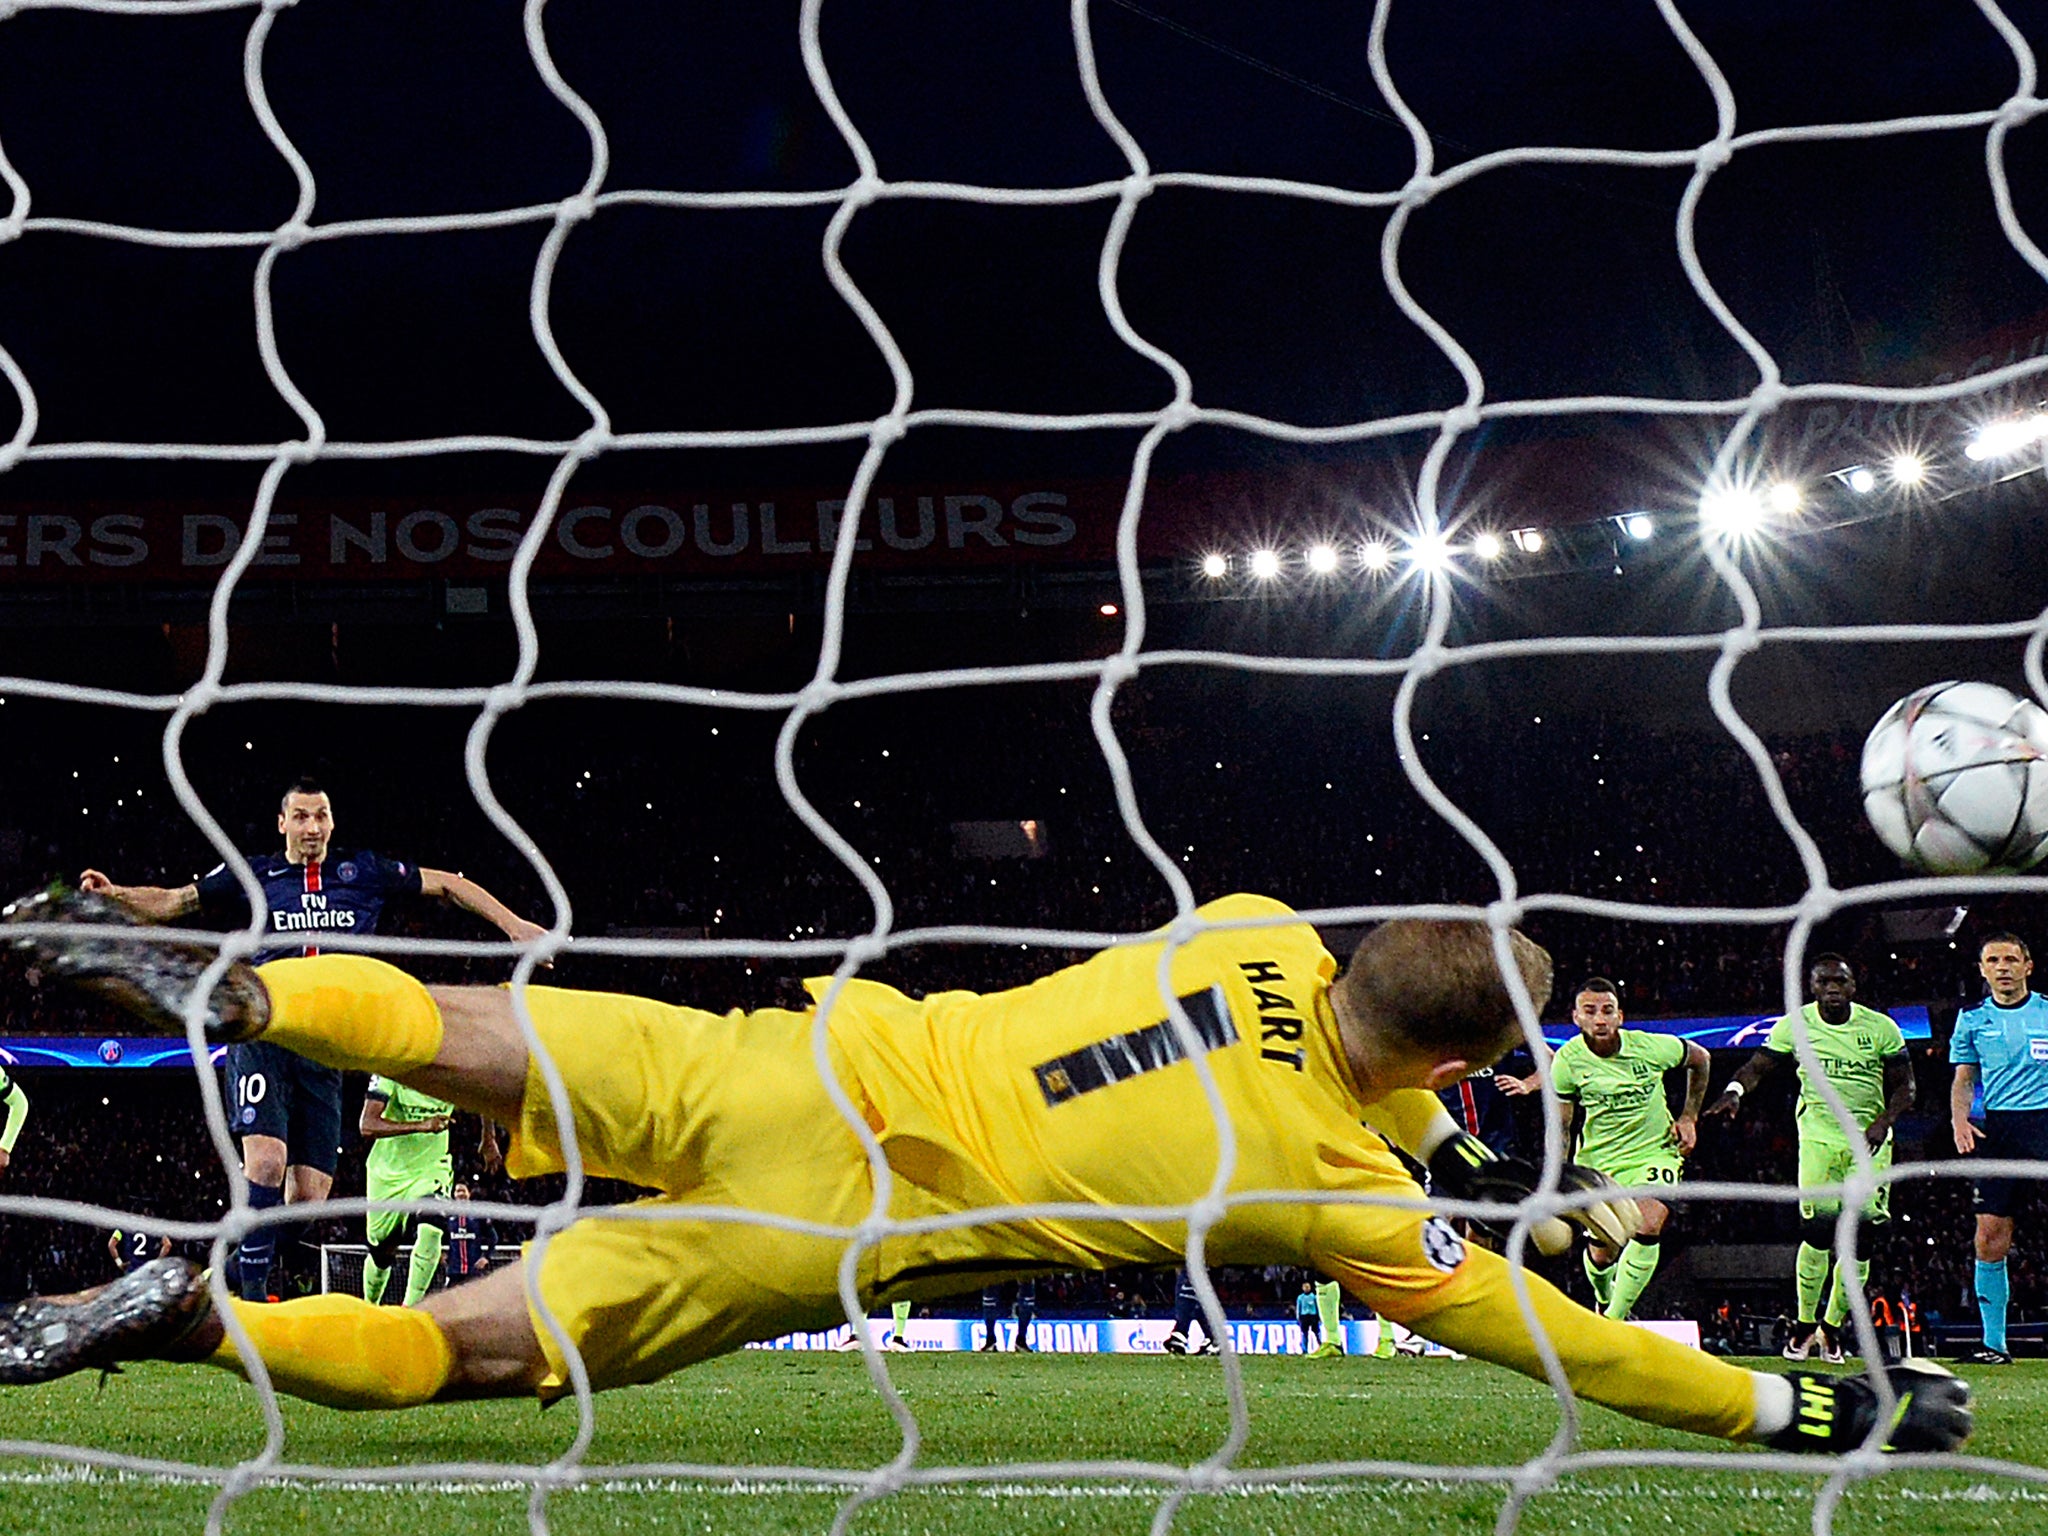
(1828, 1162)
(1635, 1173)
(381, 1224)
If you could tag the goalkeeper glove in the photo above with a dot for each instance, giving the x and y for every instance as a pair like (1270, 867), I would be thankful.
(1836, 1413)
(1466, 1168)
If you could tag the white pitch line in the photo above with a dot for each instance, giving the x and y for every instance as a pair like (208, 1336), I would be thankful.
(1386, 1492)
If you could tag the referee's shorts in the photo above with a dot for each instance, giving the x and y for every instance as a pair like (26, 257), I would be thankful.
(2010, 1134)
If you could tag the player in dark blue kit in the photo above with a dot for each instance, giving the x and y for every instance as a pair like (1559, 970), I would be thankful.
(470, 1241)
(133, 1247)
(1479, 1103)
(1023, 1307)
(1187, 1311)
(285, 1109)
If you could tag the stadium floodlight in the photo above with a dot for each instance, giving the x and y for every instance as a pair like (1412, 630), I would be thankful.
(1907, 469)
(1108, 610)
(1373, 555)
(2000, 439)
(1322, 559)
(1785, 497)
(1265, 564)
(1861, 480)
(1639, 526)
(1430, 552)
(1528, 540)
(1732, 509)
(1487, 546)
(1215, 566)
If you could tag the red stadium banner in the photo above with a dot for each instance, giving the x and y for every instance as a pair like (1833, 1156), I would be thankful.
(749, 531)
(1567, 470)
(756, 531)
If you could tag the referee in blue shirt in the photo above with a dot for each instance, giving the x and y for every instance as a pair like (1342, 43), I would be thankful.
(2003, 1040)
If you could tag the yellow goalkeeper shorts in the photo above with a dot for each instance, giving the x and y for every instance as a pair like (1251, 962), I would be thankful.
(721, 1112)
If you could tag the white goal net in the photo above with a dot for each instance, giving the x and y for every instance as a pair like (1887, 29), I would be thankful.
(341, 1265)
(1400, 261)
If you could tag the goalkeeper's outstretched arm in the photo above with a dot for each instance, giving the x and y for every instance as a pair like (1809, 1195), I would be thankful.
(1659, 1381)
(1414, 1120)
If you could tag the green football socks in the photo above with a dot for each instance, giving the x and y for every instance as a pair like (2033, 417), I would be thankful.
(1838, 1299)
(1811, 1272)
(1329, 1312)
(1601, 1277)
(425, 1265)
(1631, 1272)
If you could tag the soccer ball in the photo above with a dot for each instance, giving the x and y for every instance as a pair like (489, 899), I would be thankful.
(1955, 779)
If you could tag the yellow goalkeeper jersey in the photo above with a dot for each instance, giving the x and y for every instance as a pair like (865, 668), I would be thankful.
(1076, 1088)
(1073, 1090)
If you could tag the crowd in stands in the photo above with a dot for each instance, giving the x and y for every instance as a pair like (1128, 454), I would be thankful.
(669, 822)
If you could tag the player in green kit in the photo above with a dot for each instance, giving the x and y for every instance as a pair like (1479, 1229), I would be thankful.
(1864, 1056)
(409, 1160)
(1615, 1078)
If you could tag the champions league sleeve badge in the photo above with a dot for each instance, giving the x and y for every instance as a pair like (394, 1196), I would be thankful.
(1441, 1244)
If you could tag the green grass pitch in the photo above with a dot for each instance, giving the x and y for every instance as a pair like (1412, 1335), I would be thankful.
(780, 1409)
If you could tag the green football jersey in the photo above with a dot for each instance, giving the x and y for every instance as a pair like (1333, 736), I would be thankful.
(1627, 1121)
(1852, 1054)
(400, 1162)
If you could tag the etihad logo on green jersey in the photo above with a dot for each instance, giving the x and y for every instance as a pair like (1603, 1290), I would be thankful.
(1838, 1067)
(1621, 1095)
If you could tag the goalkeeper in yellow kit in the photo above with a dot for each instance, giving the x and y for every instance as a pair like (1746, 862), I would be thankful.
(1074, 1091)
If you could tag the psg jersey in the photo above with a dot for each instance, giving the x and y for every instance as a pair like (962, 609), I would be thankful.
(468, 1242)
(344, 893)
(1481, 1109)
(135, 1247)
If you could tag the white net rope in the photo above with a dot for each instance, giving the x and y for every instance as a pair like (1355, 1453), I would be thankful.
(1433, 655)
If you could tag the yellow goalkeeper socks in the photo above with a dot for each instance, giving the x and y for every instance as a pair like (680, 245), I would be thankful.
(351, 1011)
(342, 1352)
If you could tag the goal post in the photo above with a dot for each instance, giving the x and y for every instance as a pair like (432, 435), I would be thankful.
(1412, 186)
(341, 1266)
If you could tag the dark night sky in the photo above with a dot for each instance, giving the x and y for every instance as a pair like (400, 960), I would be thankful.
(1873, 261)
(1849, 260)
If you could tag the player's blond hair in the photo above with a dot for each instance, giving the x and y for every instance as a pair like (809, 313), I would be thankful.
(1436, 986)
